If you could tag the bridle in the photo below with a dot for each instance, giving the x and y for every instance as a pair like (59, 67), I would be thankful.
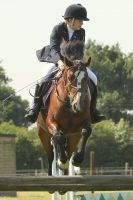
(78, 65)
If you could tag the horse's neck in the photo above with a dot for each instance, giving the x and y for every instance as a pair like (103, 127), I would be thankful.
(61, 82)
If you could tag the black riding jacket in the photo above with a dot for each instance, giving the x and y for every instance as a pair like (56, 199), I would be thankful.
(51, 53)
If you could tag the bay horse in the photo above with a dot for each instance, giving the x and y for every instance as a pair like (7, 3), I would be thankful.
(67, 122)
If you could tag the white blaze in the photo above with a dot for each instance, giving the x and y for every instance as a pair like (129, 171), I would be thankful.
(78, 96)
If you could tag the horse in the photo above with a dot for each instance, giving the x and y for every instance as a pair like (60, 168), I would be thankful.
(67, 124)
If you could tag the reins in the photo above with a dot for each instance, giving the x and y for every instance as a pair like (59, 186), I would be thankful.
(67, 83)
(32, 84)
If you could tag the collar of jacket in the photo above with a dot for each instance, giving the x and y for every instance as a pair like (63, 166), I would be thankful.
(66, 34)
(65, 31)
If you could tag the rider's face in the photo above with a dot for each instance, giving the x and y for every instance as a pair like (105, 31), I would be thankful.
(76, 24)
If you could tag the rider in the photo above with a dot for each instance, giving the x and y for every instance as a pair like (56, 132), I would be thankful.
(68, 30)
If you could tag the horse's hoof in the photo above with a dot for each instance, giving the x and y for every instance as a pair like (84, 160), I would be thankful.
(62, 192)
(63, 166)
(75, 164)
(77, 159)
(77, 170)
(51, 192)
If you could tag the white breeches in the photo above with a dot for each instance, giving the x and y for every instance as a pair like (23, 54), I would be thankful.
(92, 76)
(48, 68)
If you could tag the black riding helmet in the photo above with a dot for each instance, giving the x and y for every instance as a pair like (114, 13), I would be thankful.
(76, 11)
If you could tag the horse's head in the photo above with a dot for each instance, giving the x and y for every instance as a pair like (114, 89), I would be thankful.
(76, 77)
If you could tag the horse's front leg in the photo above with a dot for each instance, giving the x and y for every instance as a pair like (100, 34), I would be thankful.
(59, 142)
(78, 155)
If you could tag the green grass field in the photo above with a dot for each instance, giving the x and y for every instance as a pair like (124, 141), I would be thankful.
(29, 196)
(47, 196)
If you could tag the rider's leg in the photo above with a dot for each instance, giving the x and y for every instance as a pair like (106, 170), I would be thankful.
(42, 85)
(95, 114)
(33, 111)
(92, 76)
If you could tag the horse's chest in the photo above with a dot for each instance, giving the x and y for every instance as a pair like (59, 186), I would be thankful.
(69, 121)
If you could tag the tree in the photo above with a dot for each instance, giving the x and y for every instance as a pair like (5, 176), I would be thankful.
(3, 78)
(124, 138)
(112, 143)
(12, 109)
(103, 143)
(28, 146)
(114, 70)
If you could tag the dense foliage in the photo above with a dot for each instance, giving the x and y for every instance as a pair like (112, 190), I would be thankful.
(114, 70)
(112, 143)
(28, 148)
(12, 109)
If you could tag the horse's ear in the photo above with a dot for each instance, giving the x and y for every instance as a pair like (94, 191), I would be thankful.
(86, 63)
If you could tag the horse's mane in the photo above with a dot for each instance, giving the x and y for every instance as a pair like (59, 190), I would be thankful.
(72, 50)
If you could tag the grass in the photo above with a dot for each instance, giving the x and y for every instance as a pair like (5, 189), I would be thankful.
(29, 196)
(47, 196)
(32, 196)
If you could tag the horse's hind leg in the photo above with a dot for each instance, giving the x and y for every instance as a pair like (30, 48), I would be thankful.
(45, 138)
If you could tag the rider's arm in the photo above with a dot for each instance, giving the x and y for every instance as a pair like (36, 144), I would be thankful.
(55, 41)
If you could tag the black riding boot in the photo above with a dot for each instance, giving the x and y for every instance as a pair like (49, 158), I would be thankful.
(33, 112)
(95, 114)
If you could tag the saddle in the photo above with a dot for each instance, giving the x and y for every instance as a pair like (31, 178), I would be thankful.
(47, 88)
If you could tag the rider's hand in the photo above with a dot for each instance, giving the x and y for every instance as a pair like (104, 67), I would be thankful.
(60, 64)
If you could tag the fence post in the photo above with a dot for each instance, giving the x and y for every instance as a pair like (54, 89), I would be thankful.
(54, 169)
(91, 163)
(126, 168)
(71, 173)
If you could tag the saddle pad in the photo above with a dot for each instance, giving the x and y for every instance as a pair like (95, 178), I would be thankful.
(45, 97)
(47, 94)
